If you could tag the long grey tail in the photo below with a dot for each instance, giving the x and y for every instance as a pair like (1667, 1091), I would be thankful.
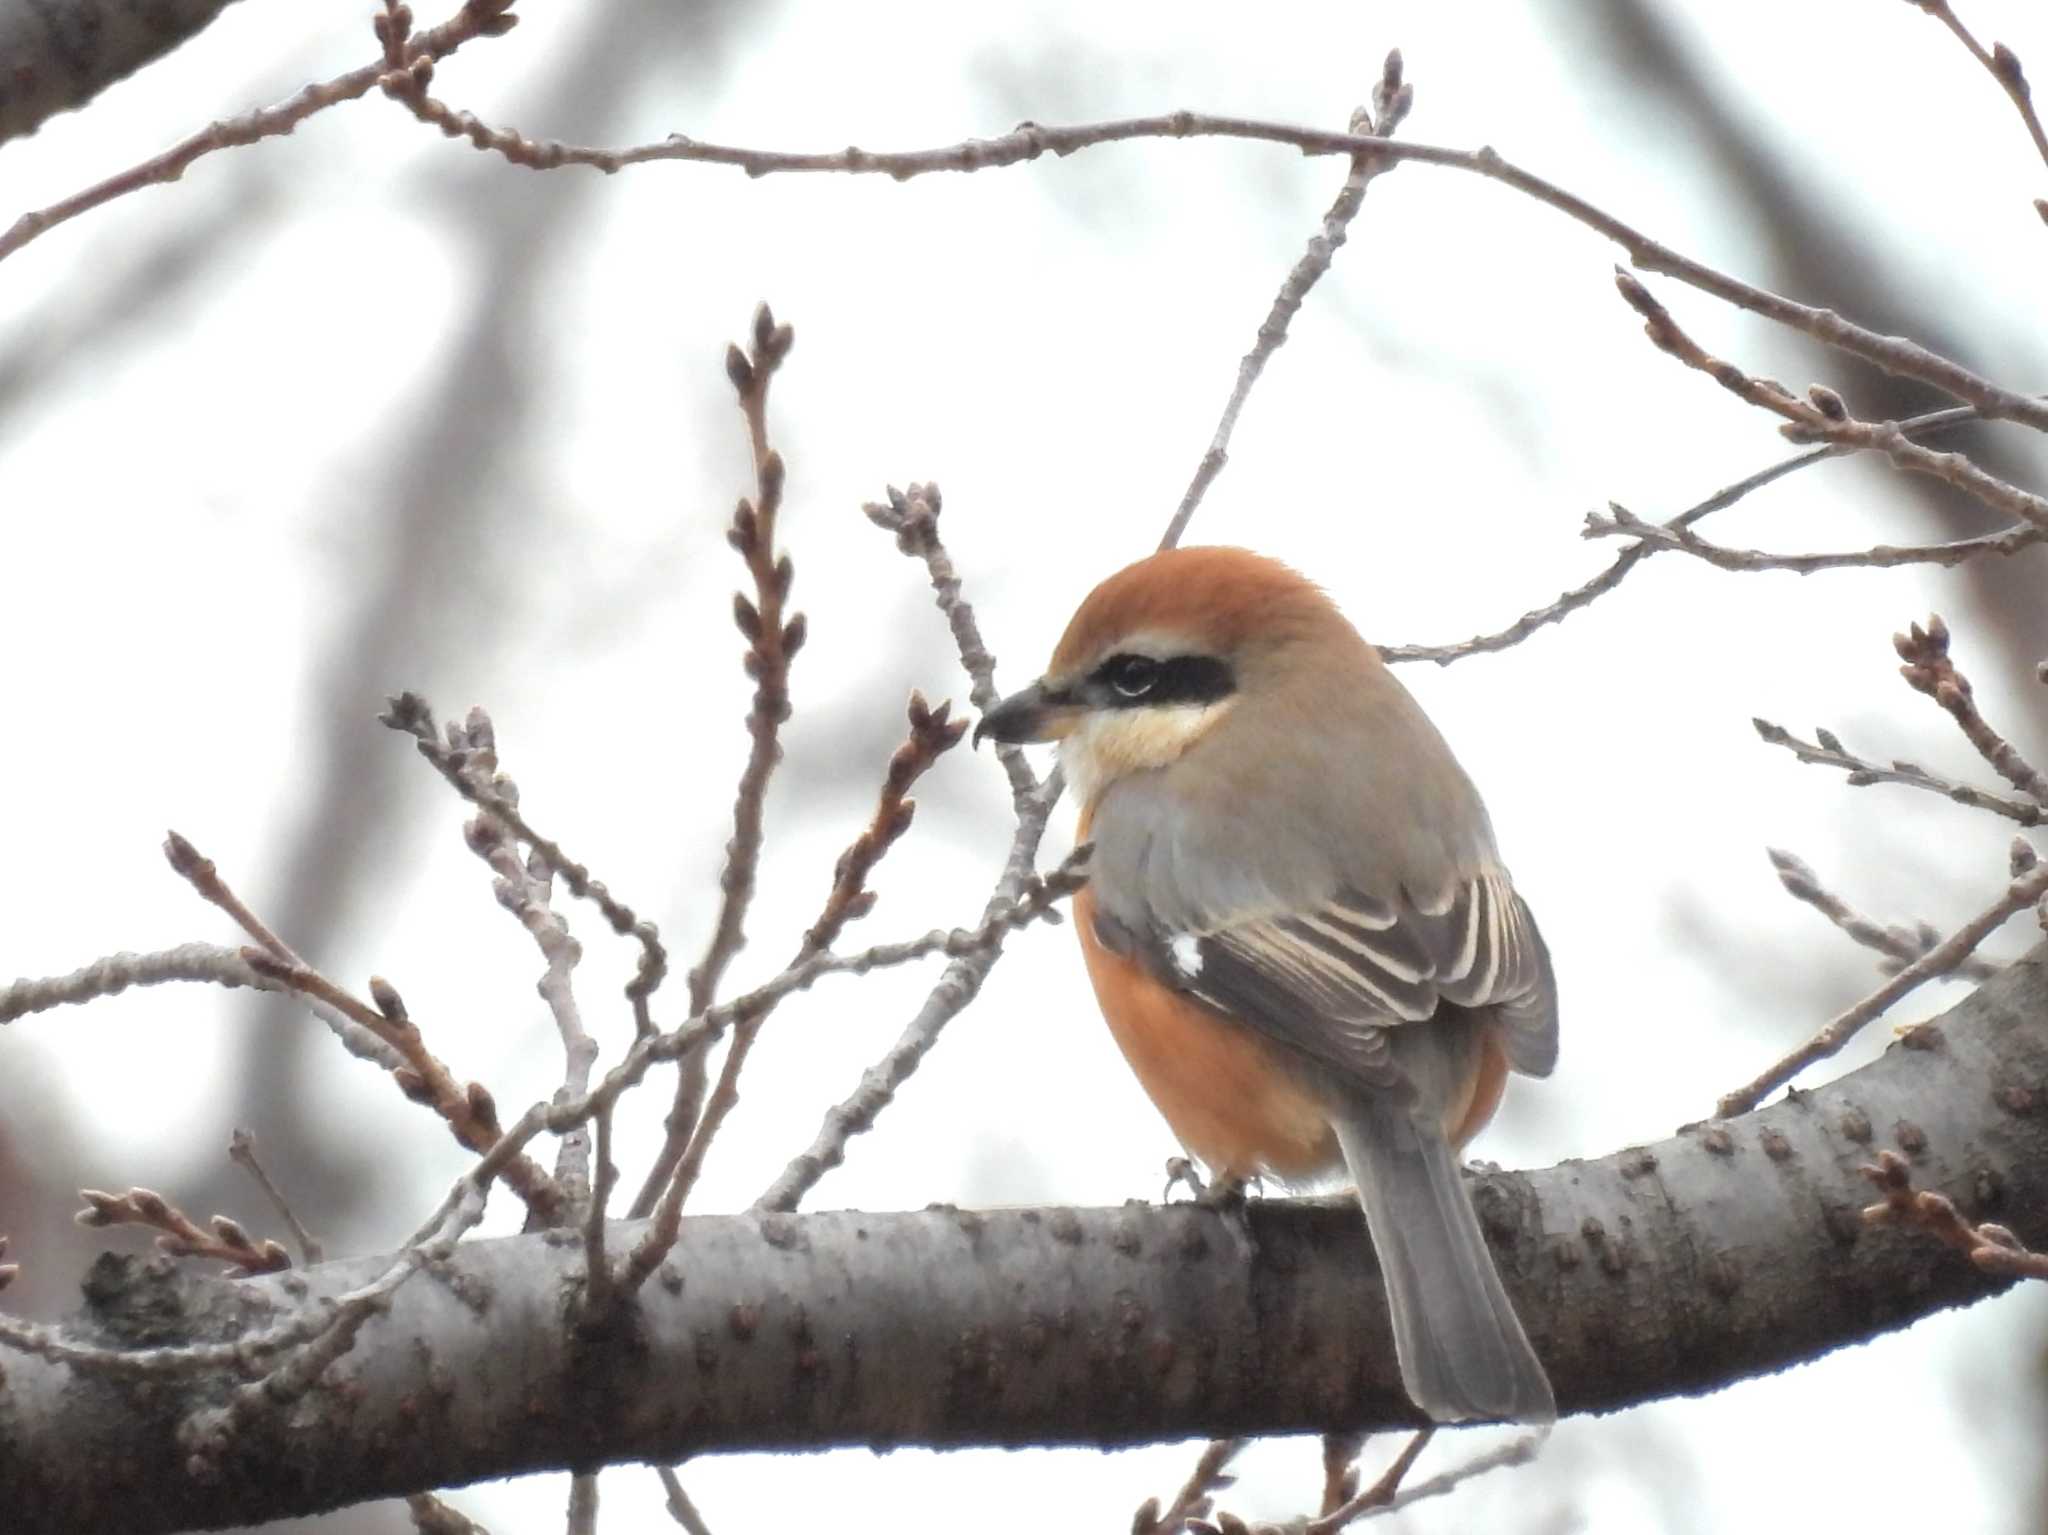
(1462, 1350)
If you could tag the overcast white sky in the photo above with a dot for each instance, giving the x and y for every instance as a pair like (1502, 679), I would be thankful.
(209, 461)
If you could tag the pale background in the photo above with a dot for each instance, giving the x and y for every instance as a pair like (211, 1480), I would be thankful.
(362, 409)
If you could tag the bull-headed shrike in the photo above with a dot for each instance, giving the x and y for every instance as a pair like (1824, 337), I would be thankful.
(1298, 926)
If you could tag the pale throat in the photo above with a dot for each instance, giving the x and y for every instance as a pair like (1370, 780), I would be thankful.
(1108, 744)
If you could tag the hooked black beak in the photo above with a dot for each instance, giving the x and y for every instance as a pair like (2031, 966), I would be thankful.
(1036, 713)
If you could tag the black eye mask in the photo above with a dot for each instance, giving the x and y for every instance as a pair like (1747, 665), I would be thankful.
(1132, 681)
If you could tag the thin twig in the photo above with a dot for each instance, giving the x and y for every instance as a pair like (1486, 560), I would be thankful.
(409, 714)
(1517, 1452)
(1391, 101)
(1900, 945)
(1194, 1498)
(1380, 1494)
(321, 1335)
(525, 888)
(1584, 595)
(913, 518)
(598, 1292)
(203, 962)
(1826, 750)
(1622, 523)
(477, 18)
(242, 1151)
(1994, 1249)
(1340, 1470)
(772, 642)
(1929, 670)
(956, 988)
(583, 1503)
(182, 1237)
(466, 1108)
(953, 993)
(1823, 417)
(431, 1516)
(458, 1213)
(679, 1506)
(2022, 892)
(1031, 141)
(933, 732)
(2004, 66)
(199, 871)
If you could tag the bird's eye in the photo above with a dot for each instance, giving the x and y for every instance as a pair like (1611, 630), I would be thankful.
(1132, 676)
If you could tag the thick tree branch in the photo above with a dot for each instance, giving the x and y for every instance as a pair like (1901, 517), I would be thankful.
(1732, 1249)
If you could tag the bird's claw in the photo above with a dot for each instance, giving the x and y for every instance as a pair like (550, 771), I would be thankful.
(1224, 1195)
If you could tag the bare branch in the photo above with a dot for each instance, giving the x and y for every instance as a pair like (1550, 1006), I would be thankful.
(771, 643)
(477, 18)
(2004, 66)
(1193, 1499)
(468, 1109)
(2025, 889)
(247, 1355)
(409, 714)
(957, 987)
(583, 1503)
(1517, 1452)
(1622, 523)
(181, 1236)
(1823, 417)
(913, 517)
(199, 871)
(1030, 141)
(1340, 1470)
(242, 1151)
(525, 888)
(205, 962)
(1599, 1255)
(1826, 750)
(679, 1506)
(1993, 1249)
(114, 974)
(597, 1272)
(1391, 101)
(1929, 670)
(1647, 544)
(932, 734)
(1900, 945)
(430, 1516)
(1380, 1494)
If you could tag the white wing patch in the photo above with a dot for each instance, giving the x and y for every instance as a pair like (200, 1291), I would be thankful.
(1187, 954)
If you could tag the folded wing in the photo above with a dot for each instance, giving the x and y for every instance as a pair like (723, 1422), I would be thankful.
(1331, 980)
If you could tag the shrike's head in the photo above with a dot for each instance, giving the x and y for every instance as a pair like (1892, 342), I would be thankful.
(1164, 652)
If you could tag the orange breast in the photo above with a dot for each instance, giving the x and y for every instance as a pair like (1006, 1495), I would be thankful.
(1463, 1120)
(1216, 1082)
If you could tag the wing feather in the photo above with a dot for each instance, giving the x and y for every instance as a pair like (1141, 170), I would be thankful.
(1329, 981)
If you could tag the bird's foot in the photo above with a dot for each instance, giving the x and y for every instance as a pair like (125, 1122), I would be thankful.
(1225, 1195)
